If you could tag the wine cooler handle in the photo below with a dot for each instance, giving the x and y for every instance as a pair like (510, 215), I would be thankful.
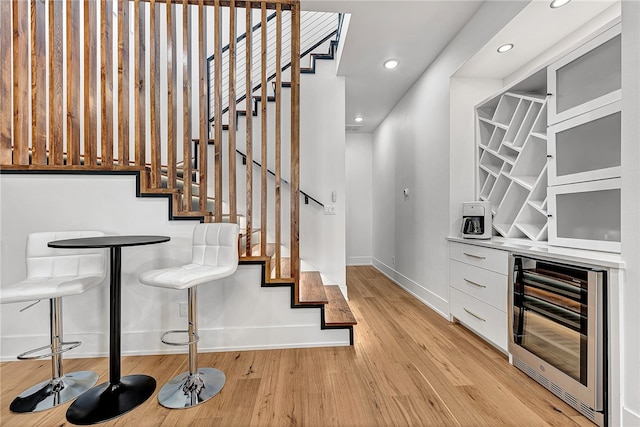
(518, 280)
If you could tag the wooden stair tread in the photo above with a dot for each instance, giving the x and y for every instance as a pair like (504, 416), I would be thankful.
(194, 213)
(161, 190)
(337, 311)
(311, 288)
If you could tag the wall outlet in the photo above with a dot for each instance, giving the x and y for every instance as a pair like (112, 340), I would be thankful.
(184, 309)
(393, 260)
(329, 209)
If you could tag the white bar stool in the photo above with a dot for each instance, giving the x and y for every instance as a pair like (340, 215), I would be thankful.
(53, 274)
(214, 256)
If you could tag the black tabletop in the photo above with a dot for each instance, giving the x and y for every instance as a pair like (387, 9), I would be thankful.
(108, 241)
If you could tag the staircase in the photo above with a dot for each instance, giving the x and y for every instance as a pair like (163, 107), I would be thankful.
(312, 292)
(40, 130)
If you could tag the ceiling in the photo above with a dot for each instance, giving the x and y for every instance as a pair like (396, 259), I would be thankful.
(414, 32)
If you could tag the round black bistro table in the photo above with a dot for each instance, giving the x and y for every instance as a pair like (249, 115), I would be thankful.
(120, 394)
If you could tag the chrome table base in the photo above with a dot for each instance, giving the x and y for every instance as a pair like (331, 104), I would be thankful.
(187, 390)
(51, 393)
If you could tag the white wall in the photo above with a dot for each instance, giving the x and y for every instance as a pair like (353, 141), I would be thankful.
(236, 313)
(322, 171)
(359, 197)
(411, 150)
(630, 293)
(465, 94)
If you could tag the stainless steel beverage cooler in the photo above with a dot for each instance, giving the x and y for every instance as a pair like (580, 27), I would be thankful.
(557, 324)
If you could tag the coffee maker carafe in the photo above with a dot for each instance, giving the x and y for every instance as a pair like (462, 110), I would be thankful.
(476, 220)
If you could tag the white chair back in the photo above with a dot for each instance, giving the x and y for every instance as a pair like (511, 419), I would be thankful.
(215, 244)
(43, 261)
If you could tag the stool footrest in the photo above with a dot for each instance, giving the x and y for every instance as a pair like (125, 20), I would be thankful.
(64, 347)
(179, 331)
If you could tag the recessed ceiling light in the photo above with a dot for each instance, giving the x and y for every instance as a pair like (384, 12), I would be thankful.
(505, 48)
(558, 3)
(390, 64)
(358, 119)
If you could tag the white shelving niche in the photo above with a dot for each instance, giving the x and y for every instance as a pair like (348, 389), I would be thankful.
(512, 162)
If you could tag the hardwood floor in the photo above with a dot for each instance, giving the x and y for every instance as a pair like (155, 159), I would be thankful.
(409, 366)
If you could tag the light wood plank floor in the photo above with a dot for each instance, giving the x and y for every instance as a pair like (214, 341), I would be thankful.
(409, 366)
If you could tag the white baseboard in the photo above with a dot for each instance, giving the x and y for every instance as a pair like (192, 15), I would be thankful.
(140, 343)
(359, 260)
(629, 418)
(433, 301)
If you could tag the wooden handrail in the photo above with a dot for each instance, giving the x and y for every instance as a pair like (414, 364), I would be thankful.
(307, 197)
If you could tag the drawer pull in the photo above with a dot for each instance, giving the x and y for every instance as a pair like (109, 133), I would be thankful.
(475, 256)
(474, 283)
(474, 315)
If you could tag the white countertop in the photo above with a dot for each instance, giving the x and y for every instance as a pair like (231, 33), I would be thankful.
(543, 250)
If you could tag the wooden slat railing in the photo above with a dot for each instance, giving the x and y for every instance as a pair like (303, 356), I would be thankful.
(278, 141)
(263, 133)
(6, 83)
(295, 150)
(97, 85)
(187, 46)
(249, 132)
(123, 82)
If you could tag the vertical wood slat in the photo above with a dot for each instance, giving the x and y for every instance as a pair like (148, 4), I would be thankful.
(295, 148)
(186, 89)
(106, 82)
(73, 75)
(123, 82)
(217, 110)
(263, 136)
(38, 84)
(154, 64)
(172, 113)
(249, 128)
(278, 141)
(6, 116)
(20, 83)
(56, 119)
(139, 75)
(90, 84)
(232, 113)
(203, 106)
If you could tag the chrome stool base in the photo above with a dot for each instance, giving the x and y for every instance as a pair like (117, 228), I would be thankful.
(51, 393)
(187, 390)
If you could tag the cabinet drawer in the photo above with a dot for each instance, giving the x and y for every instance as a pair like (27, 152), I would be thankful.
(490, 259)
(485, 285)
(487, 321)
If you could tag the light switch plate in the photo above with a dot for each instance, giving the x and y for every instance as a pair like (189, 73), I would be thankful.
(329, 209)
(184, 309)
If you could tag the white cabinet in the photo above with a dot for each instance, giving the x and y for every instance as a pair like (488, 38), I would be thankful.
(587, 78)
(512, 162)
(478, 279)
(586, 147)
(567, 132)
(586, 215)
